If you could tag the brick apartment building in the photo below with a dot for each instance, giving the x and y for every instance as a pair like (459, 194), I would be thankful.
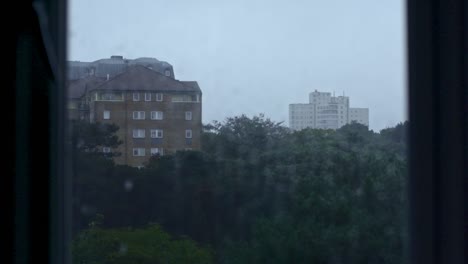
(156, 113)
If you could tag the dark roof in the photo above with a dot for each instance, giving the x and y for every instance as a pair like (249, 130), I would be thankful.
(192, 84)
(140, 78)
(114, 65)
(76, 88)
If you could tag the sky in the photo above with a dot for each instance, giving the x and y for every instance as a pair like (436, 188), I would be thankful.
(259, 56)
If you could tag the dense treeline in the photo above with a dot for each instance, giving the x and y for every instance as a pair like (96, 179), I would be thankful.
(257, 192)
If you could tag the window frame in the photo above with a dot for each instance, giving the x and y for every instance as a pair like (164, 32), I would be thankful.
(190, 115)
(157, 135)
(160, 151)
(159, 97)
(190, 132)
(141, 152)
(138, 134)
(104, 115)
(437, 34)
(147, 98)
(140, 116)
(155, 117)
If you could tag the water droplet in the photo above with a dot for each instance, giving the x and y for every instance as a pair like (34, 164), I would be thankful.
(123, 248)
(128, 185)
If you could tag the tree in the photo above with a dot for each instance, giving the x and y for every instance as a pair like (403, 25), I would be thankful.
(259, 193)
(146, 245)
(91, 137)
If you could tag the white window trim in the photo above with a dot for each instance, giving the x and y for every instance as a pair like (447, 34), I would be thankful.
(188, 133)
(147, 97)
(157, 135)
(141, 152)
(136, 97)
(104, 115)
(189, 117)
(154, 115)
(109, 100)
(139, 116)
(138, 134)
(155, 151)
(159, 97)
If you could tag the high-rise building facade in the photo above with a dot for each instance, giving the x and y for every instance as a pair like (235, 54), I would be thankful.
(325, 111)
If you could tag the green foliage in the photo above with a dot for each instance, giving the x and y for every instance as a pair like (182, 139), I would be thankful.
(146, 245)
(260, 193)
(89, 138)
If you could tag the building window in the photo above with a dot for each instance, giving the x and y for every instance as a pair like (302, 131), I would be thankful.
(106, 150)
(188, 133)
(138, 133)
(156, 133)
(185, 98)
(136, 97)
(156, 151)
(147, 96)
(156, 115)
(167, 73)
(188, 115)
(109, 96)
(138, 152)
(106, 114)
(138, 115)
(159, 97)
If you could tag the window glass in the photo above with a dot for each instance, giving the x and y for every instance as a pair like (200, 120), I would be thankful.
(276, 131)
(156, 115)
(147, 96)
(159, 97)
(106, 115)
(188, 115)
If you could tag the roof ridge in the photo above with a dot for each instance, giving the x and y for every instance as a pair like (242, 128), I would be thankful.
(154, 78)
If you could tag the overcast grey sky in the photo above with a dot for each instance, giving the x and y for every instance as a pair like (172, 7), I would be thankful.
(258, 56)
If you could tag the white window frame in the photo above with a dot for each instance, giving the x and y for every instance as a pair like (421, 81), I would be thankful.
(136, 97)
(140, 152)
(155, 151)
(159, 97)
(188, 115)
(138, 115)
(106, 150)
(188, 133)
(110, 96)
(157, 133)
(157, 115)
(106, 115)
(147, 97)
(139, 133)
